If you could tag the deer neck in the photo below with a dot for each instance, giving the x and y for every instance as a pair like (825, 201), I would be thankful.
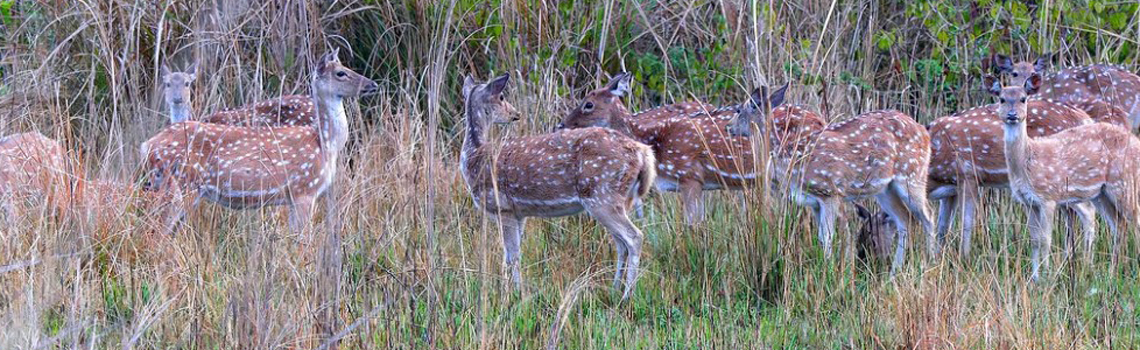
(179, 113)
(332, 122)
(1017, 152)
(469, 161)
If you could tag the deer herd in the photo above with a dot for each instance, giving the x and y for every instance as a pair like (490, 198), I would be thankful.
(1058, 141)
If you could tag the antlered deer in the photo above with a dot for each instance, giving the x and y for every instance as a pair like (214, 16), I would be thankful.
(884, 154)
(694, 153)
(564, 173)
(1098, 163)
(251, 167)
(291, 110)
(1076, 85)
(32, 166)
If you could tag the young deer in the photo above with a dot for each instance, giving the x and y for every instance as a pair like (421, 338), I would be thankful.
(1098, 163)
(1076, 85)
(32, 166)
(967, 154)
(884, 154)
(592, 169)
(251, 167)
(291, 110)
(694, 153)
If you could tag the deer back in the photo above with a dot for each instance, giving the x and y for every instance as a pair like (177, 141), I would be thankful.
(240, 166)
(971, 142)
(1076, 84)
(32, 165)
(292, 110)
(856, 157)
(553, 174)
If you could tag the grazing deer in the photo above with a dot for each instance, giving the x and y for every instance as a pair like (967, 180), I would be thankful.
(32, 166)
(291, 110)
(1097, 163)
(564, 173)
(884, 154)
(694, 153)
(967, 154)
(876, 233)
(252, 167)
(1074, 85)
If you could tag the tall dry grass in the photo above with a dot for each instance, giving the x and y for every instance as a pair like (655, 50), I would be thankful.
(406, 261)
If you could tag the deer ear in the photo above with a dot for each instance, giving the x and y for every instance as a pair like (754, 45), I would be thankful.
(1002, 64)
(1032, 84)
(777, 97)
(1042, 64)
(992, 84)
(497, 85)
(165, 71)
(758, 95)
(862, 211)
(193, 71)
(469, 85)
(619, 85)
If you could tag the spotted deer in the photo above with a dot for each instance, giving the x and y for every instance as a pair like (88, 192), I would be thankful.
(595, 170)
(1097, 163)
(694, 152)
(252, 167)
(290, 110)
(967, 155)
(32, 167)
(883, 154)
(1078, 85)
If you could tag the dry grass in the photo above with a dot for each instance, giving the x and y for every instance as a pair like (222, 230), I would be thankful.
(408, 262)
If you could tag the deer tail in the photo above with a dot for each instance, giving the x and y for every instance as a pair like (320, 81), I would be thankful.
(648, 172)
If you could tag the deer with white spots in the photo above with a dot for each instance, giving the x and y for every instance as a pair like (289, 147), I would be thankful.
(1078, 86)
(34, 167)
(883, 154)
(291, 110)
(1097, 163)
(967, 155)
(595, 170)
(252, 167)
(694, 152)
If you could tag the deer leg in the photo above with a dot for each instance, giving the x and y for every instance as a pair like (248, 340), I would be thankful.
(691, 194)
(300, 214)
(913, 195)
(947, 208)
(826, 214)
(512, 227)
(626, 237)
(968, 196)
(894, 206)
(1041, 236)
(1086, 213)
(638, 207)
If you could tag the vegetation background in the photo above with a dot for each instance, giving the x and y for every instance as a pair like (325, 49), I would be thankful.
(412, 264)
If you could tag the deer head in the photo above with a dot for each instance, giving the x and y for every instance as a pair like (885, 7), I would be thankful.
(758, 107)
(176, 91)
(486, 103)
(876, 233)
(333, 79)
(1012, 99)
(1020, 71)
(601, 107)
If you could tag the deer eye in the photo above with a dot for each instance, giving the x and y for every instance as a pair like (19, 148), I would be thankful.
(341, 74)
(588, 106)
(502, 98)
(1022, 100)
(1015, 74)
